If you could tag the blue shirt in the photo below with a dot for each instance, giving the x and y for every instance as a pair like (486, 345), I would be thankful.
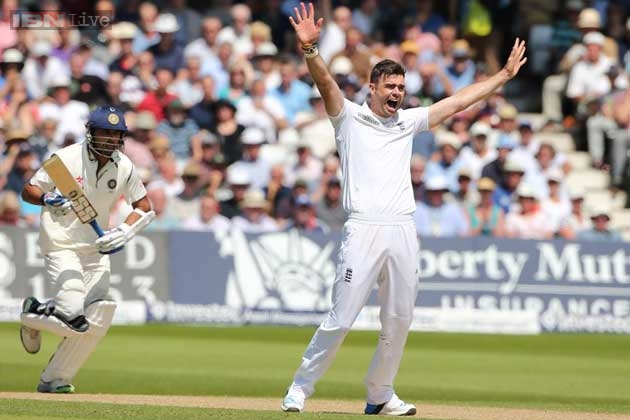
(293, 100)
(179, 136)
(444, 221)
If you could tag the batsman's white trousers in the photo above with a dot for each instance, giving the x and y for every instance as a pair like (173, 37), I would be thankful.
(383, 252)
(77, 279)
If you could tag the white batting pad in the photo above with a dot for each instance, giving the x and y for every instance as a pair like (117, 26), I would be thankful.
(74, 351)
(50, 323)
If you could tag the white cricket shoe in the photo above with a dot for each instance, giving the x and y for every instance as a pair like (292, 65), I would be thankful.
(293, 401)
(394, 407)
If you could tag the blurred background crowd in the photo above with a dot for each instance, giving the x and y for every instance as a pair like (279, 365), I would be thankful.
(227, 129)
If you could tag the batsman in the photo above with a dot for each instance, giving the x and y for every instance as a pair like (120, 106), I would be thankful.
(76, 257)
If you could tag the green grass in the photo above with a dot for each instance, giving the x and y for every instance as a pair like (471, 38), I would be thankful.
(569, 372)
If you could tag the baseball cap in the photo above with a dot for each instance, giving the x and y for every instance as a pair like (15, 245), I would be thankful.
(555, 175)
(505, 141)
(465, 172)
(486, 184)
(59, 80)
(507, 111)
(594, 38)
(207, 138)
(589, 18)
(341, 65)
(41, 48)
(303, 200)
(600, 209)
(409, 46)
(526, 191)
(448, 138)
(461, 48)
(12, 55)
(166, 23)
(254, 198)
(480, 128)
(436, 183)
(266, 49)
(124, 30)
(238, 176)
(252, 136)
(513, 166)
(145, 120)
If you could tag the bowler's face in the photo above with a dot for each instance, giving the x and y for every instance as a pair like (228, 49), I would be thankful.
(387, 95)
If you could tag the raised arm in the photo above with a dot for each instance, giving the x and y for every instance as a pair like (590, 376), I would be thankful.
(440, 111)
(307, 31)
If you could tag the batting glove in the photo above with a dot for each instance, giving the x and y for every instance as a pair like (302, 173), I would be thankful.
(114, 240)
(57, 204)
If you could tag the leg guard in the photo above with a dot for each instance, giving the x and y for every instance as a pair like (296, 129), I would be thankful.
(74, 351)
(42, 316)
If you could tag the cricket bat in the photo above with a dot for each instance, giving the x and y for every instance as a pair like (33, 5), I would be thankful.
(70, 188)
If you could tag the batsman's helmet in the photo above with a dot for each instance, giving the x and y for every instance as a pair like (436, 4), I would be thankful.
(105, 118)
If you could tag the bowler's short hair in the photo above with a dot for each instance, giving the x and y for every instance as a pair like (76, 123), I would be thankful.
(386, 68)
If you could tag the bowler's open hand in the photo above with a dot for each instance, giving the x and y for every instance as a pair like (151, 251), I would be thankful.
(516, 59)
(306, 28)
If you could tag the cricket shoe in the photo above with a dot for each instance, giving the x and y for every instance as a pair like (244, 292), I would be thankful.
(293, 401)
(394, 407)
(55, 387)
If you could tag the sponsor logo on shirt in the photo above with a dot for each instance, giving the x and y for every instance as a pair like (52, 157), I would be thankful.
(369, 119)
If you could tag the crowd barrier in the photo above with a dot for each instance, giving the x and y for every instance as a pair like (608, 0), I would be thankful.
(479, 284)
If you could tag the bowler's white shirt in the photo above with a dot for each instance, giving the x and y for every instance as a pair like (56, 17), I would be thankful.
(117, 178)
(375, 156)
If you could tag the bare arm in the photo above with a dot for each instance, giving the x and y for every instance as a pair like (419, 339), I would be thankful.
(143, 204)
(307, 31)
(32, 194)
(464, 98)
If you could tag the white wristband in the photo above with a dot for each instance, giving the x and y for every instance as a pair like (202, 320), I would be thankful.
(310, 51)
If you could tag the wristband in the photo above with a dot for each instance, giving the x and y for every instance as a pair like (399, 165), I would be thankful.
(310, 50)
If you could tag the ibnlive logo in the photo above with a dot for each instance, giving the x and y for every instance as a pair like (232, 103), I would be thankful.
(52, 19)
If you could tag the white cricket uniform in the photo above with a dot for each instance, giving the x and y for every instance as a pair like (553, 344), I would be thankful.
(78, 272)
(379, 245)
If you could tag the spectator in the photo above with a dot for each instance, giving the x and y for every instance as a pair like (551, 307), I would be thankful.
(240, 78)
(205, 146)
(202, 113)
(545, 163)
(304, 217)
(208, 218)
(167, 52)
(485, 218)
(254, 218)
(15, 108)
(600, 231)
(446, 161)
(292, 93)
(238, 32)
(478, 154)
(179, 129)
(160, 148)
(187, 202)
(205, 48)
(84, 87)
(461, 72)
(157, 99)
(437, 217)
(229, 130)
(278, 195)
(359, 55)
(304, 166)
(188, 85)
(40, 69)
(527, 220)
(124, 33)
(263, 60)
(147, 36)
(365, 17)
(70, 115)
(576, 221)
(256, 166)
(336, 23)
(188, 20)
(164, 220)
(42, 142)
(556, 205)
(504, 195)
(417, 177)
(239, 182)
(314, 127)
(23, 167)
(329, 209)
(137, 144)
(466, 192)
(10, 209)
(167, 178)
(262, 111)
(495, 170)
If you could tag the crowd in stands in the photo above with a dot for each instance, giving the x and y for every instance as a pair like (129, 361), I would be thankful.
(227, 128)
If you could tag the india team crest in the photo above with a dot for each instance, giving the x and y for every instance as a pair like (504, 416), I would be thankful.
(113, 119)
(111, 183)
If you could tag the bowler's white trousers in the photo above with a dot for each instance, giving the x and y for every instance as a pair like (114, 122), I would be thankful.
(78, 278)
(373, 251)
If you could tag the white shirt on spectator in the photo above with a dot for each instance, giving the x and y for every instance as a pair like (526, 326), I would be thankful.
(266, 224)
(71, 118)
(250, 116)
(38, 77)
(474, 162)
(527, 226)
(310, 172)
(258, 171)
(219, 223)
(557, 212)
(589, 79)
